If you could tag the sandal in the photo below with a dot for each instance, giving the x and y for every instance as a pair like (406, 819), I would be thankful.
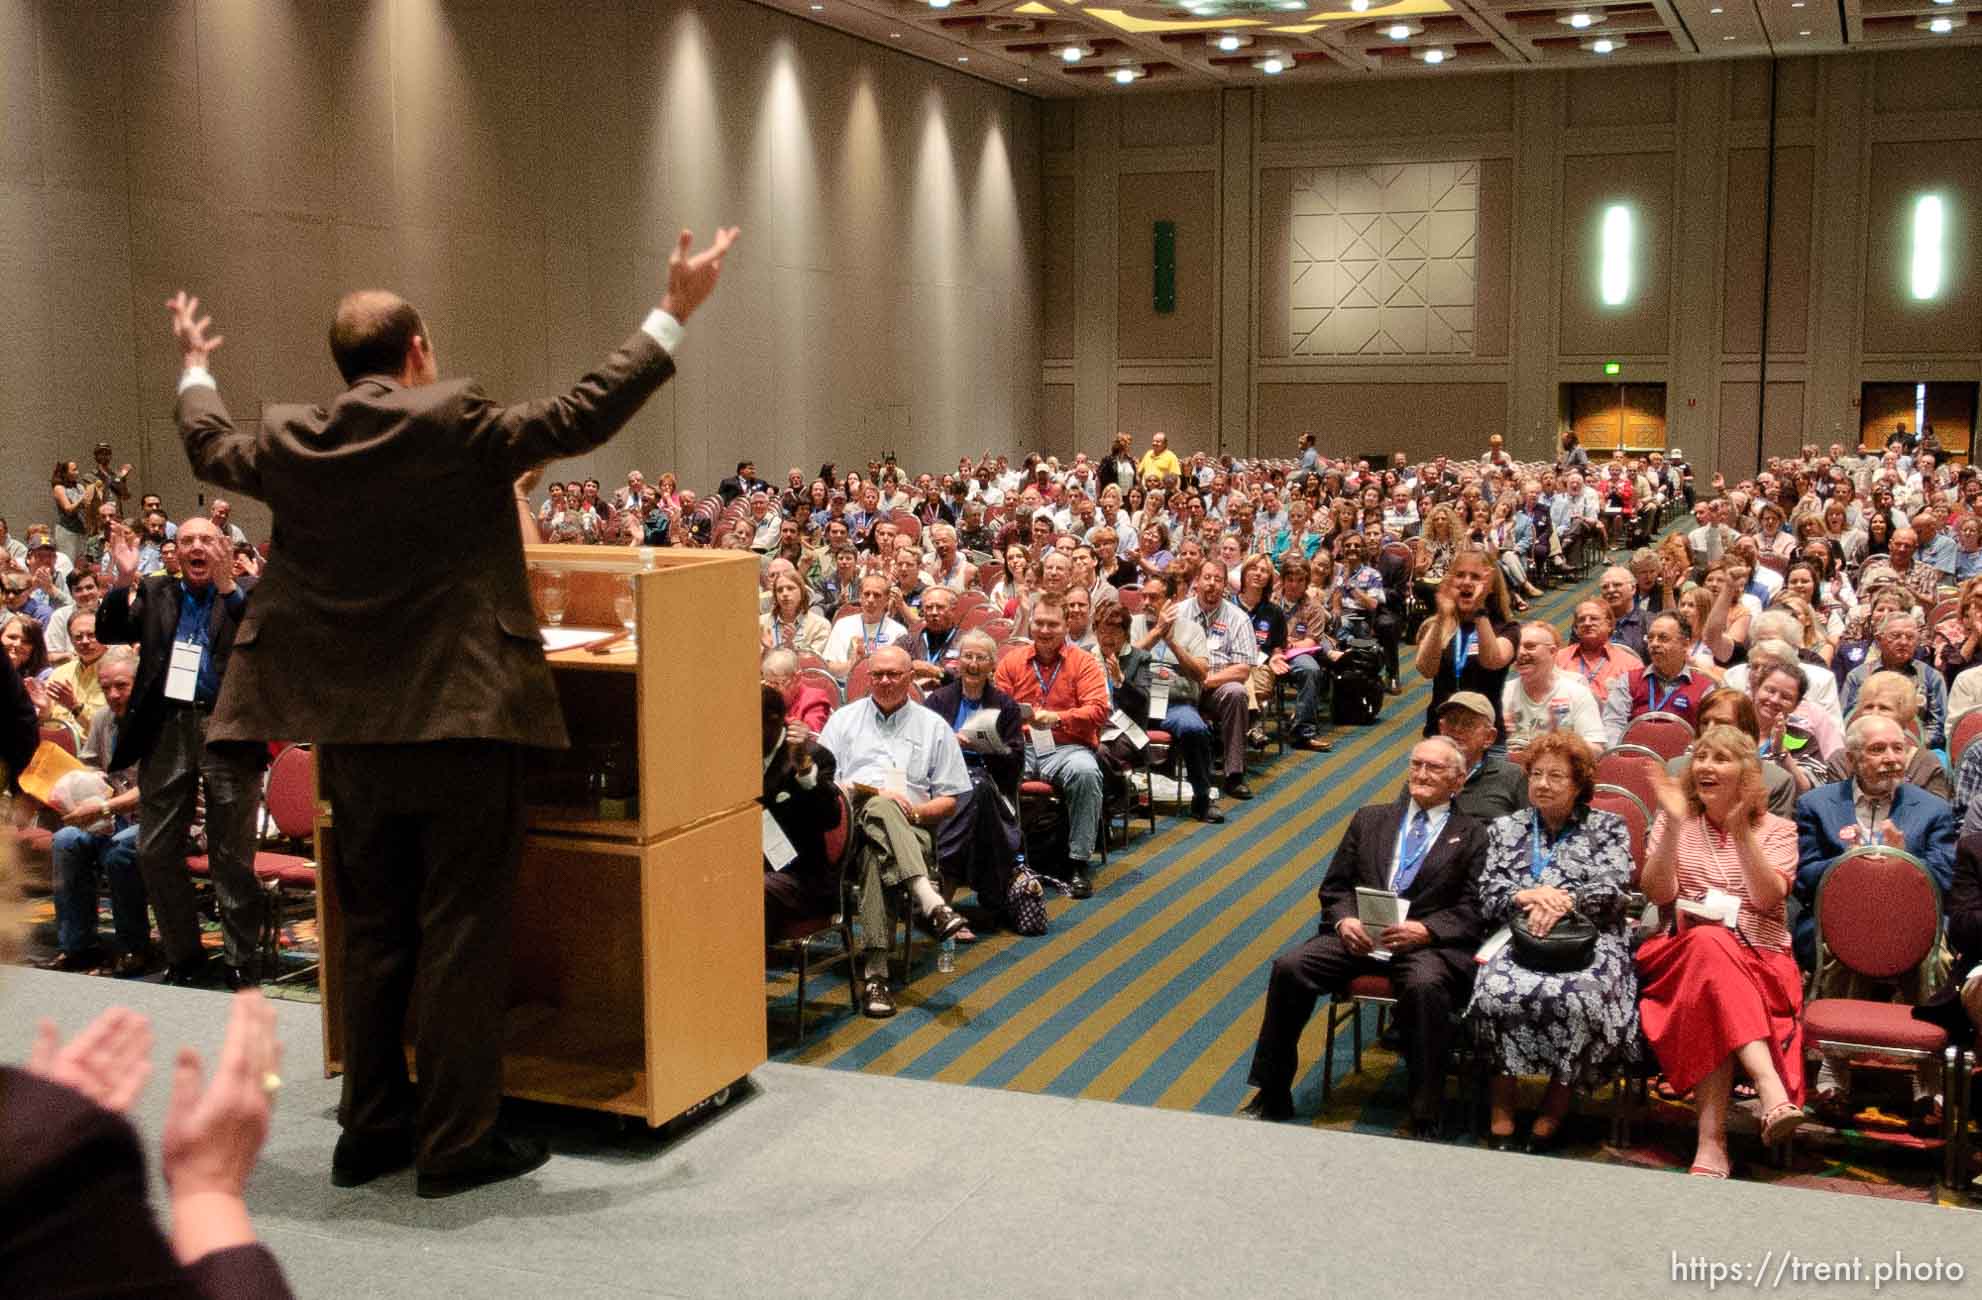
(876, 1002)
(1780, 1122)
(945, 921)
(1707, 1171)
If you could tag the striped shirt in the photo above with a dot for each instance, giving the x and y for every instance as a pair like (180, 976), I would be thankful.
(1710, 859)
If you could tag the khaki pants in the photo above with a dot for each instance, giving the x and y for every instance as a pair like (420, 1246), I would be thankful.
(892, 853)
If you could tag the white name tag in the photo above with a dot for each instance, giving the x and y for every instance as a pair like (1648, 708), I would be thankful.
(1159, 701)
(895, 778)
(1124, 725)
(778, 850)
(182, 675)
(1041, 739)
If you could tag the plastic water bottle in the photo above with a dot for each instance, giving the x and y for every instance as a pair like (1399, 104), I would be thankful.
(946, 956)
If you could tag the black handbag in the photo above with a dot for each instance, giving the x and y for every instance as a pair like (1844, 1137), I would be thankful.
(1570, 944)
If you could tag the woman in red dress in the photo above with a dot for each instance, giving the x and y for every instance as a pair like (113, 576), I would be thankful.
(1713, 995)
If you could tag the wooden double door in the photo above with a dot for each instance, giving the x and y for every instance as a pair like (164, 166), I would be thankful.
(1607, 416)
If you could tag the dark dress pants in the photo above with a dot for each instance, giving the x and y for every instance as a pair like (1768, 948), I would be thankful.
(1430, 983)
(170, 779)
(429, 838)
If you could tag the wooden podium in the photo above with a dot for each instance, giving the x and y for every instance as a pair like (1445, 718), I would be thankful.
(638, 981)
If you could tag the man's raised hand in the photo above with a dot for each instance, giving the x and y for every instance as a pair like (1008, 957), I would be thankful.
(692, 276)
(190, 329)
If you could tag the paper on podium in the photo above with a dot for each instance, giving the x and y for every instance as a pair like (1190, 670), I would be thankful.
(570, 638)
(1378, 910)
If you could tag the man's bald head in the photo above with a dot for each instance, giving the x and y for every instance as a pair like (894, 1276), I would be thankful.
(373, 333)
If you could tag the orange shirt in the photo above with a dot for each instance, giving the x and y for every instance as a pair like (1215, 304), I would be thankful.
(1598, 673)
(1076, 689)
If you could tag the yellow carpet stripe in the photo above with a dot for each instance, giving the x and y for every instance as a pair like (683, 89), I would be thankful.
(1210, 934)
(1128, 947)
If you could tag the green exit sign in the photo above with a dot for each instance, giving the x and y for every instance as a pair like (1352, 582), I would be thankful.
(1613, 367)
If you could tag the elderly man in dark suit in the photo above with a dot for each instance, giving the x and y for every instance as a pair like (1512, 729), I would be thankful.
(421, 682)
(1421, 848)
(185, 629)
(800, 880)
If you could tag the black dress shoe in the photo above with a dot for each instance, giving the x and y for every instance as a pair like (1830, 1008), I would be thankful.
(361, 1157)
(186, 975)
(1078, 885)
(1427, 1128)
(1543, 1144)
(1499, 1141)
(130, 965)
(1207, 812)
(236, 978)
(1272, 1107)
(75, 963)
(494, 1158)
(1237, 788)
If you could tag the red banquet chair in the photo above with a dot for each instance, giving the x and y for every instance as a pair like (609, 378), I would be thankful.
(1666, 734)
(1637, 820)
(290, 797)
(1632, 768)
(1878, 916)
(1967, 730)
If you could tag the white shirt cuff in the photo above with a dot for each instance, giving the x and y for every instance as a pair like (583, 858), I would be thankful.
(664, 330)
(197, 376)
(809, 777)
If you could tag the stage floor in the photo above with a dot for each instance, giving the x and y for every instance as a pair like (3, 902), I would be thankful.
(831, 1183)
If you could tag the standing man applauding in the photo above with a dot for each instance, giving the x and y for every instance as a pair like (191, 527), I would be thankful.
(421, 682)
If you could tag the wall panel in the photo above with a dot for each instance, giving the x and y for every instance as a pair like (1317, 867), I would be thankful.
(1894, 321)
(1184, 411)
(1641, 325)
(1190, 199)
(1422, 420)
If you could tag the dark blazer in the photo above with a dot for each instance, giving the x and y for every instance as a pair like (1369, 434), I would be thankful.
(946, 699)
(73, 1217)
(395, 607)
(805, 816)
(1962, 906)
(147, 616)
(20, 732)
(1442, 894)
(1924, 819)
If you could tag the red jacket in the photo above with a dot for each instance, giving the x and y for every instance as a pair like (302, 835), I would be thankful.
(809, 704)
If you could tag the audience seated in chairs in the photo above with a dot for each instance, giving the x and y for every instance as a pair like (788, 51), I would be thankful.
(1556, 858)
(932, 648)
(1731, 708)
(904, 770)
(1667, 684)
(1894, 696)
(1540, 697)
(1592, 655)
(859, 635)
(1721, 988)
(800, 797)
(1229, 653)
(1065, 694)
(979, 842)
(791, 623)
(1876, 807)
(805, 701)
(1421, 848)
(1154, 678)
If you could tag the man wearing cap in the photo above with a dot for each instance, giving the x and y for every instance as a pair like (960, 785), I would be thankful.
(1494, 786)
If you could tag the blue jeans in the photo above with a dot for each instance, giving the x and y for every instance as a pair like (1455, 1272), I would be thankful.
(1076, 773)
(1190, 736)
(77, 855)
(1307, 675)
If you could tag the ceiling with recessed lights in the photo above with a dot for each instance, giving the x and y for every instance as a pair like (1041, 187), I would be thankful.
(1056, 48)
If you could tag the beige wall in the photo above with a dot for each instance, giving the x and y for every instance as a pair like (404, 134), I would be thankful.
(518, 168)
(1688, 145)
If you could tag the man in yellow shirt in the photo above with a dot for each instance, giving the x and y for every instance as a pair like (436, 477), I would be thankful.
(1159, 459)
(73, 686)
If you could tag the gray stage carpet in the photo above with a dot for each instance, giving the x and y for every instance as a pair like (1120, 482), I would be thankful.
(828, 1183)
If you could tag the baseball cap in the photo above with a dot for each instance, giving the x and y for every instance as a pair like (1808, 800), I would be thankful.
(1471, 701)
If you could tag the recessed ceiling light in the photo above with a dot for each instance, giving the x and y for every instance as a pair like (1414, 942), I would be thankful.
(1604, 44)
(1359, 6)
(1716, 10)
(894, 36)
(963, 58)
(1804, 32)
(1292, 4)
(1124, 75)
(1942, 24)
(1023, 80)
(1727, 38)
(1272, 65)
(1579, 19)
(817, 8)
(1230, 41)
(1435, 54)
(1943, 2)
(939, 4)
(1402, 31)
(1074, 53)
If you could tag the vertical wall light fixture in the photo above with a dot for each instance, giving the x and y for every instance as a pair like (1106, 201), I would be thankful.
(1929, 241)
(1614, 269)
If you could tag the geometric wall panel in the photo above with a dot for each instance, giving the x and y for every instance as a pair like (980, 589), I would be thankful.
(1381, 260)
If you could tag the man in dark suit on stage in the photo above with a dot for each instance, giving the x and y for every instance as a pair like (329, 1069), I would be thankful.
(421, 680)
(1418, 847)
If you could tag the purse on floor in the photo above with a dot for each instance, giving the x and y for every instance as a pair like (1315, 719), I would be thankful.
(1569, 945)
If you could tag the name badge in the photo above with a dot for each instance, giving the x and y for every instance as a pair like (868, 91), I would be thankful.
(778, 850)
(182, 675)
(1123, 725)
(1041, 739)
(895, 778)
(1159, 701)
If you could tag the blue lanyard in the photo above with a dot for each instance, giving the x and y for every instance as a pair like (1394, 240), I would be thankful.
(1046, 684)
(964, 709)
(1462, 649)
(1538, 861)
(1652, 693)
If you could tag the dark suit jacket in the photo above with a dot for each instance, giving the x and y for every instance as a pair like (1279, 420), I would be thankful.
(1442, 894)
(20, 733)
(73, 1217)
(395, 607)
(947, 699)
(1924, 819)
(147, 616)
(1962, 905)
(805, 816)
